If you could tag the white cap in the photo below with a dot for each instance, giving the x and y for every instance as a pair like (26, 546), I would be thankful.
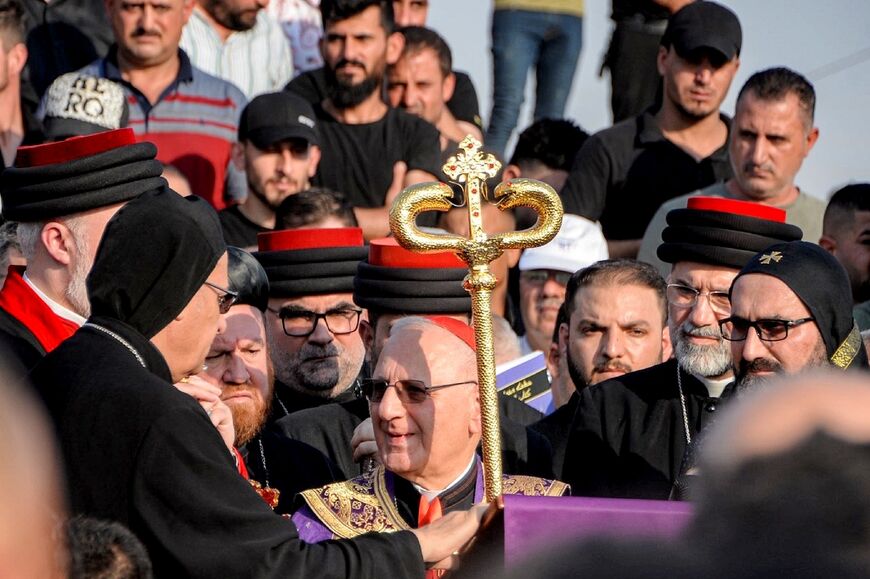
(79, 104)
(578, 244)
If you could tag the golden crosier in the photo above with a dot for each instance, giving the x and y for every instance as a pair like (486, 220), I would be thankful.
(471, 167)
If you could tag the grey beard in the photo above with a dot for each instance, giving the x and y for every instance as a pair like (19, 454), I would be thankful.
(707, 361)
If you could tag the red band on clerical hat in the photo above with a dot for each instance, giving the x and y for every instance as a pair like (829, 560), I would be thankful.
(73, 148)
(459, 329)
(291, 239)
(386, 252)
(747, 208)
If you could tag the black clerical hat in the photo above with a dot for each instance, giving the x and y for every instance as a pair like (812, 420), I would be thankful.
(78, 174)
(723, 232)
(247, 278)
(396, 280)
(301, 262)
(821, 283)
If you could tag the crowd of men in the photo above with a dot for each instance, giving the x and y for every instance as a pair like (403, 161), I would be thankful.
(206, 322)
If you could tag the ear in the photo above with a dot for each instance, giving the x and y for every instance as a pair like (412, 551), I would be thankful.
(511, 172)
(811, 140)
(667, 348)
(367, 333)
(448, 87)
(238, 156)
(313, 159)
(828, 243)
(395, 46)
(58, 242)
(187, 9)
(661, 60)
(476, 425)
(17, 58)
(513, 257)
(552, 361)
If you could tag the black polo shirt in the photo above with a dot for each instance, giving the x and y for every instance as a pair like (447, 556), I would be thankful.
(623, 174)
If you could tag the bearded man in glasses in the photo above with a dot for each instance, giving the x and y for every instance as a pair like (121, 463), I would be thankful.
(630, 434)
(425, 410)
(790, 311)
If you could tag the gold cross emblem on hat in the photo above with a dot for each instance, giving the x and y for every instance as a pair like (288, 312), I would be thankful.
(772, 256)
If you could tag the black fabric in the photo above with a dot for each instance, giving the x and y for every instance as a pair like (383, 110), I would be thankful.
(628, 438)
(329, 428)
(647, 9)
(43, 192)
(64, 36)
(458, 498)
(311, 85)
(184, 243)
(719, 238)
(140, 452)
(247, 278)
(556, 428)
(20, 345)
(238, 229)
(358, 160)
(411, 290)
(323, 270)
(286, 465)
(623, 174)
(635, 82)
(820, 282)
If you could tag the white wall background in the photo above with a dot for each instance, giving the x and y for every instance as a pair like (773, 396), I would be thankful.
(829, 42)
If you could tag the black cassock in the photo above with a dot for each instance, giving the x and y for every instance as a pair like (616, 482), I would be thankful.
(628, 437)
(140, 452)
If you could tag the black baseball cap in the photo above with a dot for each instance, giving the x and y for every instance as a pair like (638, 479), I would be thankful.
(703, 24)
(278, 116)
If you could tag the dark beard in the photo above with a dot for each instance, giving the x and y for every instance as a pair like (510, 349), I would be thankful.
(345, 96)
(747, 382)
(574, 372)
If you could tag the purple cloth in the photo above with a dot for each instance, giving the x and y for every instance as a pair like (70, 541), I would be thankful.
(309, 527)
(532, 524)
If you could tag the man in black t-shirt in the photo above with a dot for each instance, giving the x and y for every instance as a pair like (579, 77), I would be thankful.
(278, 150)
(370, 151)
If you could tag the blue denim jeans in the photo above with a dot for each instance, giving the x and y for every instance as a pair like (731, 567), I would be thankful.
(522, 39)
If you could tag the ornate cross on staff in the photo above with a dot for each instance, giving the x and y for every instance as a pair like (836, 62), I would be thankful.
(471, 167)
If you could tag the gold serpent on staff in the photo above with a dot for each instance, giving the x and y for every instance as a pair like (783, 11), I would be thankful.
(470, 168)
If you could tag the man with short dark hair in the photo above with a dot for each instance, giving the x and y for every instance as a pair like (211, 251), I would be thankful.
(624, 173)
(421, 82)
(545, 151)
(615, 323)
(18, 123)
(191, 116)
(846, 234)
(610, 453)
(278, 152)
(771, 134)
(236, 40)
(790, 312)
(370, 151)
(315, 208)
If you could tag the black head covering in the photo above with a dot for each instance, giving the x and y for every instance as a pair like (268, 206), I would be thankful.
(155, 254)
(248, 279)
(78, 174)
(726, 232)
(297, 269)
(394, 280)
(822, 284)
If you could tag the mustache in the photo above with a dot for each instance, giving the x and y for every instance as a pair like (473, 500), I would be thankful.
(749, 167)
(346, 62)
(550, 302)
(613, 365)
(689, 329)
(145, 32)
(309, 351)
(759, 365)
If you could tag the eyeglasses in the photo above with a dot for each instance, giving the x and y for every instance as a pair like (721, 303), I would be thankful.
(302, 323)
(408, 391)
(683, 296)
(735, 329)
(540, 276)
(226, 298)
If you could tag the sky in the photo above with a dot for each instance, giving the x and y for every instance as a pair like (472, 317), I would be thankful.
(828, 42)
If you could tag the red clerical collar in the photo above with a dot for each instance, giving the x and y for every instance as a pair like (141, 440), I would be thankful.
(20, 301)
